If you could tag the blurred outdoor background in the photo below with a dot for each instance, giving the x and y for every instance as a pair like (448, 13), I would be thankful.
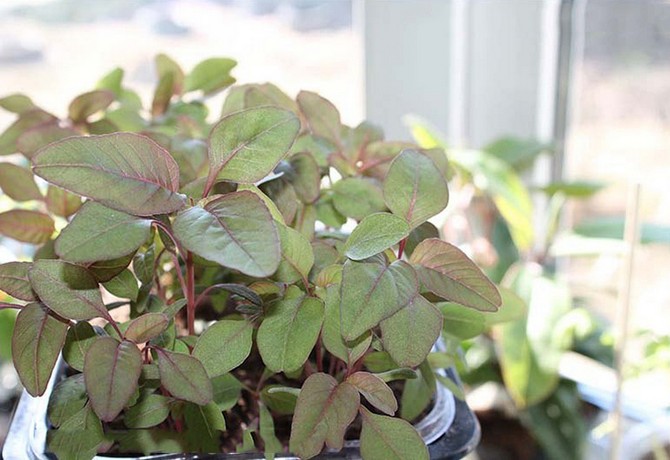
(578, 88)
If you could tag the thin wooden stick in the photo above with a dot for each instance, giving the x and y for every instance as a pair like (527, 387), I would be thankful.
(631, 238)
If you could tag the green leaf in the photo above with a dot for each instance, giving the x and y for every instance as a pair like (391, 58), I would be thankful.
(247, 145)
(358, 197)
(123, 171)
(26, 226)
(247, 444)
(280, 399)
(306, 177)
(387, 438)
(14, 280)
(417, 394)
(69, 290)
(105, 270)
(420, 233)
(414, 188)
(297, 257)
(27, 120)
(374, 234)
(61, 202)
(227, 390)
(78, 437)
(289, 332)
(272, 207)
(513, 307)
(112, 81)
(257, 95)
(149, 441)
(79, 339)
(266, 428)
(184, 377)
(151, 410)
(17, 103)
(33, 139)
(371, 291)
(409, 334)
(224, 345)
(111, 372)
(123, 285)
(331, 334)
(504, 186)
(37, 341)
(165, 65)
(322, 116)
(210, 76)
(87, 104)
(235, 230)
(460, 322)
(518, 153)
(447, 272)
(18, 183)
(205, 424)
(99, 233)
(146, 327)
(68, 398)
(143, 265)
(577, 189)
(323, 413)
(402, 373)
(375, 390)
(612, 227)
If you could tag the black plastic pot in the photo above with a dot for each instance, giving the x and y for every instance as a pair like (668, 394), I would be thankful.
(450, 429)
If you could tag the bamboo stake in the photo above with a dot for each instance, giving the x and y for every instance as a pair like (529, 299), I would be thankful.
(631, 238)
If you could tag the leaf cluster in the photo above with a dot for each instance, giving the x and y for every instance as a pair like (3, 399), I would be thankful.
(188, 253)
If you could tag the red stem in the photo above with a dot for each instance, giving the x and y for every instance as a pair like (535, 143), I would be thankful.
(401, 247)
(190, 293)
(4, 306)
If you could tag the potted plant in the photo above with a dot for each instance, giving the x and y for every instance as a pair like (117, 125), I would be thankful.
(264, 283)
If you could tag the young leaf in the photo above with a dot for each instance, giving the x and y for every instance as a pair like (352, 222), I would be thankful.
(18, 183)
(357, 197)
(88, 104)
(69, 290)
(27, 120)
(374, 234)
(323, 412)
(226, 390)
(99, 233)
(17, 103)
(331, 334)
(414, 188)
(184, 377)
(460, 322)
(36, 343)
(387, 438)
(371, 291)
(257, 95)
(247, 145)
(111, 373)
(33, 139)
(224, 345)
(123, 285)
(26, 226)
(235, 230)
(322, 117)
(78, 437)
(150, 410)
(375, 390)
(210, 75)
(410, 333)
(61, 202)
(307, 177)
(289, 331)
(417, 394)
(266, 428)
(123, 171)
(447, 272)
(79, 338)
(14, 280)
(68, 398)
(297, 257)
(146, 327)
(205, 423)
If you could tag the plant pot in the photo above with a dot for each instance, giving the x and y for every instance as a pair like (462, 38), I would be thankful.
(450, 430)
